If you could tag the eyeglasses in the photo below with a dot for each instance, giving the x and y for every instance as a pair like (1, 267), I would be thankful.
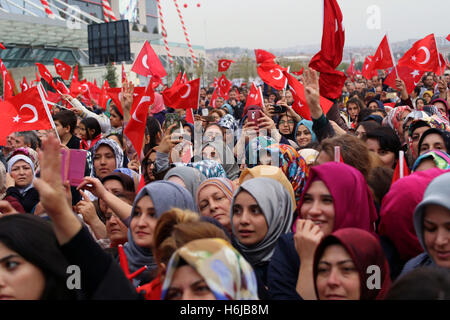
(282, 122)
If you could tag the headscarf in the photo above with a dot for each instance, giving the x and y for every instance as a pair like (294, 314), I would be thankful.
(21, 157)
(442, 101)
(352, 199)
(290, 136)
(440, 159)
(158, 104)
(254, 147)
(437, 193)
(365, 251)
(227, 274)
(308, 124)
(191, 177)
(272, 172)
(293, 166)
(396, 213)
(310, 155)
(226, 157)
(131, 173)
(228, 122)
(225, 185)
(117, 150)
(30, 153)
(378, 102)
(173, 196)
(209, 168)
(433, 121)
(125, 180)
(276, 204)
(394, 117)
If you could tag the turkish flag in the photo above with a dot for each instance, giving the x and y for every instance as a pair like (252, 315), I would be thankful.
(53, 97)
(185, 95)
(448, 37)
(124, 75)
(216, 82)
(135, 128)
(396, 175)
(2, 46)
(298, 73)
(382, 58)
(43, 71)
(103, 98)
(61, 87)
(442, 66)
(298, 93)
(410, 76)
(62, 68)
(351, 71)
(24, 112)
(116, 94)
(8, 87)
(272, 74)
(24, 86)
(224, 86)
(169, 92)
(147, 63)
(184, 78)
(94, 91)
(367, 71)
(3, 70)
(75, 73)
(214, 97)
(189, 119)
(78, 87)
(263, 56)
(254, 98)
(422, 56)
(224, 64)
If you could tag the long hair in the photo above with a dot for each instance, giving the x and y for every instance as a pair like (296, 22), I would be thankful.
(91, 123)
(33, 238)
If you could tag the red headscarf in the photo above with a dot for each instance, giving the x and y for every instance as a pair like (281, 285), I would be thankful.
(397, 210)
(365, 250)
(352, 200)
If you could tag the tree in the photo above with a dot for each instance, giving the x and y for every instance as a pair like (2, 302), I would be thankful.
(111, 76)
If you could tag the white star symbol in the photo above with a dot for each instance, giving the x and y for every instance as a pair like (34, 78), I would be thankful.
(413, 58)
(415, 73)
(16, 118)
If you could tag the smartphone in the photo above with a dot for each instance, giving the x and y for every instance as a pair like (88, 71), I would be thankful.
(73, 165)
(253, 115)
(171, 118)
(279, 109)
(205, 112)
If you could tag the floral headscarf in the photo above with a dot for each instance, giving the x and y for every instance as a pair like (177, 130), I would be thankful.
(228, 275)
(254, 147)
(117, 150)
(210, 168)
(440, 158)
(395, 116)
(293, 166)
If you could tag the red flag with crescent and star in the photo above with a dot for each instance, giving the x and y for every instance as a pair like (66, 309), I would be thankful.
(382, 59)
(116, 93)
(24, 86)
(224, 85)
(411, 77)
(185, 95)
(24, 112)
(62, 68)
(214, 97)
(263, 56)
(422, 56)
(45, 74)
(224, 64)
(367, 71)
(272, 74)
(147, 63)
(254, 98)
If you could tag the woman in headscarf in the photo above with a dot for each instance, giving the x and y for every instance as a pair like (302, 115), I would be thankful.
(335, 196)
(214, 198)
(209, 168)
(20, 190)
(221, 273)
(304, 134)
(434, 139)
(286, 126)
(187, 177)
(219, 151)
(107, 156)
(253, 149)
(431, 221)
(395, 120)
(432, 159)
(147, 208)
(344, 261)
(261, 211)
(292, 164)
(158, 110)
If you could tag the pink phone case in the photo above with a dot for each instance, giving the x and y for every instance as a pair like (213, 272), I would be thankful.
(77, 166)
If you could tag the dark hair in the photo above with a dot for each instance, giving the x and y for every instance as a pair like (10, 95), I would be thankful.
(67, 118)
(125, 180)
(417, 90)
(387, 138)
(379, 181)
(92, 123)
(118, 135)
(153, 126)
(30, 138)
(33, 238)
(368, 125)
(425, 283)
(444, 134)
(116, 110)
(364, 113)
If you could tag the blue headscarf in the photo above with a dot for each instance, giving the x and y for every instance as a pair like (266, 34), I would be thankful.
(309, 125)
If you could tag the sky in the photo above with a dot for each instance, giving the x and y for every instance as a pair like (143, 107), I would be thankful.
(286, 23)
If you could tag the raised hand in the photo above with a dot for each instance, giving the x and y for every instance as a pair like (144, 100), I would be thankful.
(306, 238)
(312, 95)
(94, 186)
(127, 99)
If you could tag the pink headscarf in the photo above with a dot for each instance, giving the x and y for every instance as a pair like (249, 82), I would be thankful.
(158, 105)
(352, 200)
(397, 210)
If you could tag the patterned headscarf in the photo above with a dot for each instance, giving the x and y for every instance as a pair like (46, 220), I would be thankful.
(117, 150)
(228, 122)
(210, 168)
(293, 166)
(254, 147)
(440, 158)
(433, 121)
(225, 185)
(394, 117)
(228, 275)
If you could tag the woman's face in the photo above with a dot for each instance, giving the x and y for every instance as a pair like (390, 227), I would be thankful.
(143, 223)
(151, 166)
(19, 279)
(337, 276)
(188, 284)
(436, 234)
(213, 203)
(216, 116)
(420, 104)
(116, 230)
(286, 124)
(387, 157)
(212, 133)
(82, 131)
(104, 161)
(360, 132)
(115, 119)
(318, 206)
(249, 222)
(209, 153)
(432, 141)
(416, 138)
(427, 98)
(353, 111)
(113, 186)
(441, 107)
(21, 173)
(373, 106)
(304, 136)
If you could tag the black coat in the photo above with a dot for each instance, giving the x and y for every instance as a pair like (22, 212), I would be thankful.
(28, 200)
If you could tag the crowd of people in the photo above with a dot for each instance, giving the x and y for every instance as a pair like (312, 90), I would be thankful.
(272, 207)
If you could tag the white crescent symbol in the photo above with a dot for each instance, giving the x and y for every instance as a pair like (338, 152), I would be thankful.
(280, 76)
(292, 89)
(221, 83)
(415, 83)
(9, 86)
(85, 86)
(223, 64)
(427, 55)
(187, 92)
(134, 113)
(58, 64)
(144, 62)
(25, 86)
(32, 108)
